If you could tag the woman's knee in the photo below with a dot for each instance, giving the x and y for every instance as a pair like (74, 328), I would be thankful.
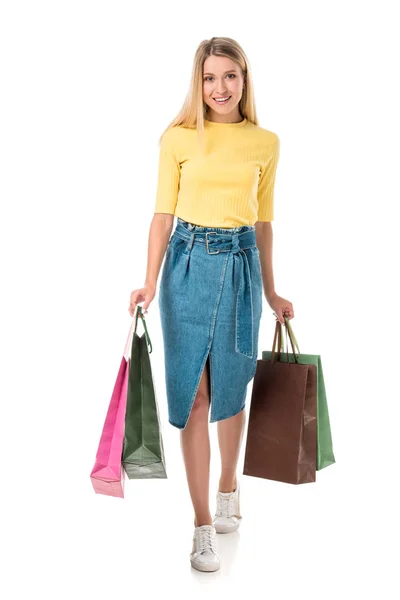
(201, 402)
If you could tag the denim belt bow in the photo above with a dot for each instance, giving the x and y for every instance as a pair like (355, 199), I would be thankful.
(235, 242)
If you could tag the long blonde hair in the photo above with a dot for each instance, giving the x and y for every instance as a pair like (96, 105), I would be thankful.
(194, 109)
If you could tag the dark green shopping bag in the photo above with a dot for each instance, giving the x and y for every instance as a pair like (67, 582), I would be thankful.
(325, 456)
(143, 451)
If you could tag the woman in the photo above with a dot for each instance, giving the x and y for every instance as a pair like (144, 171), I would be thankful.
(216, 175)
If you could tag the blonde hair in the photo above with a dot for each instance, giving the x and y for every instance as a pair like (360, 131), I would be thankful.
(194, 109)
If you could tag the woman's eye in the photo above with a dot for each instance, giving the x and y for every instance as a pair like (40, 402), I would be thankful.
(210, 76)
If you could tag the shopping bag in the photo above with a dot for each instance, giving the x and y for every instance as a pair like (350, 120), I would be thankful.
(143, 450)
(281, 441)
(107, 475)
(325, 455)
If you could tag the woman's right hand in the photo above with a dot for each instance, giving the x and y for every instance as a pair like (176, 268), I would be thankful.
(144, 294)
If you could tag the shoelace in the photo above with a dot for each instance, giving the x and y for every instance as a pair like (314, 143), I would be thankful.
(205, 540)
(225, 505)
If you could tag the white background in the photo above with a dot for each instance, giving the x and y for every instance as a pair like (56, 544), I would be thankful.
(86, 90)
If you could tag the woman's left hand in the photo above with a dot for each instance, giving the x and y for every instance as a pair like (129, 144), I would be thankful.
(282, 307)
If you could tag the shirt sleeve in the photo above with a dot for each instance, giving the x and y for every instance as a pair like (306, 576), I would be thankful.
(266, 184)
(168, 175)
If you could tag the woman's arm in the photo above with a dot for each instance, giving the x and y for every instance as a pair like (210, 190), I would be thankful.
(281, 306)
(159, 234)
(264, 238)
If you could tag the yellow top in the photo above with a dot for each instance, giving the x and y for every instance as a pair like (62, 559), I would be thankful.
(230, 185)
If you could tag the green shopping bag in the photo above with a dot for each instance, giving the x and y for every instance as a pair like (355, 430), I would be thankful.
(143, 451)
(325, 456)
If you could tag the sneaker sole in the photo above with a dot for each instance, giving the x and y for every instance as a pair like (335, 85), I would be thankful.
(227, 529)
(208, 568)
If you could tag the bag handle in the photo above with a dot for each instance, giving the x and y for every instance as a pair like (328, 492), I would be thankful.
(293, 341)
(141, 315)
(291, 335)
(277, 337)
(128, 344)
(132, 330)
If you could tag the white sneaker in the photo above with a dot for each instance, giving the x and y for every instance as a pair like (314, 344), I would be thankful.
(204, 555)
(227, 517)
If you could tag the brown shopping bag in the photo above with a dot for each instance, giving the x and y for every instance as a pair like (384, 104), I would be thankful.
(325, 454)
(281, 439)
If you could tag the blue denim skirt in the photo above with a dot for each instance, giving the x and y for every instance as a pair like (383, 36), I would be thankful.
(210, 301)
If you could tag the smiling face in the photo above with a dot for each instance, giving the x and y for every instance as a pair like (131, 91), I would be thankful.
(222, 78)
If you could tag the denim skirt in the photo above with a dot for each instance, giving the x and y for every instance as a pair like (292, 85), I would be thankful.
(210, 301)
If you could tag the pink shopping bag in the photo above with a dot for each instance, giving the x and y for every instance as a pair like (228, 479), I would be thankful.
(108, 475)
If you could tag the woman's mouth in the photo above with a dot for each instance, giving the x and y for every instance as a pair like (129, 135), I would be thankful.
(223, 100)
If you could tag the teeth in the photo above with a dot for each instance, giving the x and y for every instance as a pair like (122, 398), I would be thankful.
(221, 99)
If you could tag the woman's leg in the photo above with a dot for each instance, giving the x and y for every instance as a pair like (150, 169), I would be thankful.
(230, 434)
(195, 444)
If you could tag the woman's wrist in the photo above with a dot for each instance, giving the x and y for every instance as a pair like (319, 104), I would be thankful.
(150, 284)
(270, 295)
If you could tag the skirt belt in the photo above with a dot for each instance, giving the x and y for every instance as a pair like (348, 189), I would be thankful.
(236, 243)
